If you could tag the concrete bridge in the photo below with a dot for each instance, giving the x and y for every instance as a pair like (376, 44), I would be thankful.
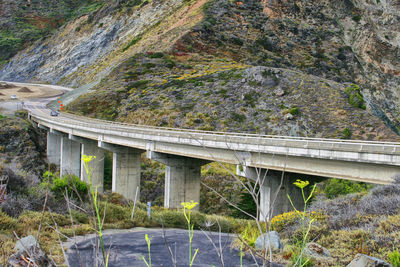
(261, 158)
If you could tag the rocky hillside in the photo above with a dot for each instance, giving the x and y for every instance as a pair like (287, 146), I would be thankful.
(22, 146)
(305, 68)
(24, 21)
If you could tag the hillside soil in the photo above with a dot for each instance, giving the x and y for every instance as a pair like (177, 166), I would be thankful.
(25, 92)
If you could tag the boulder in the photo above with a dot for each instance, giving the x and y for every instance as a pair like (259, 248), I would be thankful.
(288, 117)
(279, 91)
(316, 251)
(28, 248)
(27, 243)
(362, 260)
(269, 238)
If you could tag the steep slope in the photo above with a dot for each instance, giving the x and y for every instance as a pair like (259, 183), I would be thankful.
(330, 44)
(345, 40)
(24, 21)
(86, 50)
(207, 93)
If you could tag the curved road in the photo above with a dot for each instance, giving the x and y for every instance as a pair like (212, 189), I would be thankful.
(38, 104)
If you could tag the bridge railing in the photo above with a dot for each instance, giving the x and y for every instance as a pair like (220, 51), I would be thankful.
(242, 138)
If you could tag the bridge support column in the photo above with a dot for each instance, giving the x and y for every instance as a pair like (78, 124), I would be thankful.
(126, 173)
(54, 148)
(70, 157)
(182, 178)
(271, 180)
(125, 169)
(90, 148)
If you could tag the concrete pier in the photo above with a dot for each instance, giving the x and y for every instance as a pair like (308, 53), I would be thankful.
(182, 178)
(70, 157)
(54, 148)
(126, 173)
(125, 169)
(90, 148)
(270, 181)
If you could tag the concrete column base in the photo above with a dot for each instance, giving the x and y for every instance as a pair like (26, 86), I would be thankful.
(90, 148)
(54, 148)
(126, 173)
(70, 157)
(271, 181)
(182, 178)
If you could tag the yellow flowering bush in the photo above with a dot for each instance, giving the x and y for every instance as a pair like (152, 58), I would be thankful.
(279, 222)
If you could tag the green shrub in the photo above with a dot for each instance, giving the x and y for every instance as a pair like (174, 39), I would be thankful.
(250, 234)
(108, 169)
(238, 117)
(357, 18)
(79, 217)
(8, 42)
(169, 63)
(295, 254)
(156, 55)
(355, 97)
(114, 213)
(227, 224)
(346, 133)
(394, 258)
(138, 84)
(70, 182)
(133, 42)
(7, 222)
(149, 65)
(336, 187)
(171, 218)
(294, 111)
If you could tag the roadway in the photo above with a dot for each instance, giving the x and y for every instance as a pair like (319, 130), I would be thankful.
(367, 161)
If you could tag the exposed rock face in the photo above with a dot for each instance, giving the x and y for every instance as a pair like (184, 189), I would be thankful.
(24, 21)
(81, 44)
(375, 40)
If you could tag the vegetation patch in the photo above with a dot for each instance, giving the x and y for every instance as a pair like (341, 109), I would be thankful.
(355, 98)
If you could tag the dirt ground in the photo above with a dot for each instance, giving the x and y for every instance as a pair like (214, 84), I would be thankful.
(24, 92)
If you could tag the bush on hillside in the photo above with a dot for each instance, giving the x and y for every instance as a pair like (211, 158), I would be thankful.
(26, 193)
(74, 186)
(335, 187)
(394, 258)
(344, 210)
(382, 200)
(355, 98)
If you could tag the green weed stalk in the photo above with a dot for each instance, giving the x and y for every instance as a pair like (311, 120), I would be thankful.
(93, 192)
(148, 241)
(187, 210)
(301, 261)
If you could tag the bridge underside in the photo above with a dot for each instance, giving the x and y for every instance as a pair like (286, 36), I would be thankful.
(183, 163)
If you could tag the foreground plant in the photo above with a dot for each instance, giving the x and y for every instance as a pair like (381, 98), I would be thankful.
(148, 241)
(301, 260)
(187, 210)
(394, 258)
(94, 194)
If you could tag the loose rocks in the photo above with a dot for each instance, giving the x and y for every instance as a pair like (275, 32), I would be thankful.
(269, 238)
(362, 260)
